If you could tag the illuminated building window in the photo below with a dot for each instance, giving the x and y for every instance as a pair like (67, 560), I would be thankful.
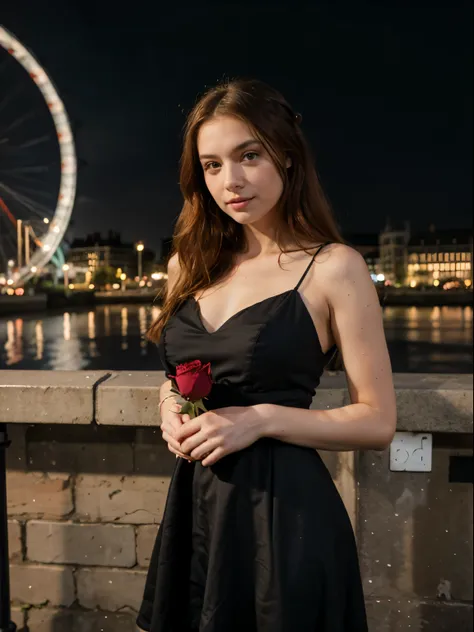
(436, 266)
(423, 257)
(463, 256)
(430, 267)
(451, 256)
(423, 266)
(452, 266)
(458, 256)
(446, 256)
(468, 266)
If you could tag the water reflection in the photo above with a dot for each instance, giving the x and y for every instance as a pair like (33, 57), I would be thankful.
(124, 327)
(39, 340)
(14, 342)
(113, 337)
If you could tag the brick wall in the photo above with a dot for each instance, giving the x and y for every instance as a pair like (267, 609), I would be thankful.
(86, 496)
(84, 508)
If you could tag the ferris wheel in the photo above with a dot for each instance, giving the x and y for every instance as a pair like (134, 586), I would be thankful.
(38, 168)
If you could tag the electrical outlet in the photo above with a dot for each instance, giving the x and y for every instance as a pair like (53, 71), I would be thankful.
(411, 452)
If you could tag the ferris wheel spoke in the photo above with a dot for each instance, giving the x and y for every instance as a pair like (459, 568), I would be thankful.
(37, 192)
(19, 121)
(30, 169)
(26, 201)
(25, 145)
(31, 179)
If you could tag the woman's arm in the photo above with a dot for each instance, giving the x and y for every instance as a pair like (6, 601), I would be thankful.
(173, 274)
(369, 422)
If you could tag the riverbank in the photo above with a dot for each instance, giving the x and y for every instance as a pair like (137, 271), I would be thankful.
(16, 305)
(425, 298)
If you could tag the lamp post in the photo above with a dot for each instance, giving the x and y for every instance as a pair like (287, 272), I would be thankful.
(123, 278)
(140, 247)
(66, 276)
(10, 265)
(6, 625)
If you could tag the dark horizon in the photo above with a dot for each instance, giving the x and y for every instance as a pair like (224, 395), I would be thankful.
(385, 93)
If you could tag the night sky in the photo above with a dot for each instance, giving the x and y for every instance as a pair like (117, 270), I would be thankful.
(385, 91)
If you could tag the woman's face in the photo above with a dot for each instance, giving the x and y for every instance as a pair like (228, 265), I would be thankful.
(239, 173)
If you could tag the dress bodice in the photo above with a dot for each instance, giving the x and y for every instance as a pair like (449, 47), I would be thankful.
(269, 352)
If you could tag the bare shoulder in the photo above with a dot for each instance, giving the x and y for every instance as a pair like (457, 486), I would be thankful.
(341, 261)
(173, 264)
(174, 269)
(345, 275)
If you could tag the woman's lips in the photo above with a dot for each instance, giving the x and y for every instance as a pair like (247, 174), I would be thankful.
(239, 203)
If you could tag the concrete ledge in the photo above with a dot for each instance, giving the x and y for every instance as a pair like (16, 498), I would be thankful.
(426, 402)
(130, 398)
(48, 397)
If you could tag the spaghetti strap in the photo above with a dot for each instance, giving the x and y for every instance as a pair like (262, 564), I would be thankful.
(310, 264)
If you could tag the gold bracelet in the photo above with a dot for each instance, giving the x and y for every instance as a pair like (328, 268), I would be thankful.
(162, 402)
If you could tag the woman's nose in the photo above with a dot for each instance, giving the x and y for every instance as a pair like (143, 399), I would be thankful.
(234, 178)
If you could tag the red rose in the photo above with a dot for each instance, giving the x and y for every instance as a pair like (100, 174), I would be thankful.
(193, 380)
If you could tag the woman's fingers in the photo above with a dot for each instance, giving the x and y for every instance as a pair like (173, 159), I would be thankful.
(171, 441)
(204, 449)
(215, 456)
(180, 454)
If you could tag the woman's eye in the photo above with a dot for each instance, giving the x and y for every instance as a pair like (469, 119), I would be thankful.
(211, 165)
(251, 155)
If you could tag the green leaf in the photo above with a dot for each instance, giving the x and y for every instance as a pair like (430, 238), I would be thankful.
(199, 404)
(188, 409)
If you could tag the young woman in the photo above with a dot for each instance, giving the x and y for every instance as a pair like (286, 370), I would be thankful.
(255, 537)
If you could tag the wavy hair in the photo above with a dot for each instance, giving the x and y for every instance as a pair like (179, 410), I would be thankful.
(205, 238)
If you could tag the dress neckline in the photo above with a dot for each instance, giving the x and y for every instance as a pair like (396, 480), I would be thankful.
(239, 313)
(231, 319)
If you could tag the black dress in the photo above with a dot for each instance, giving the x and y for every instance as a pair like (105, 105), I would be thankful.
(261, 541)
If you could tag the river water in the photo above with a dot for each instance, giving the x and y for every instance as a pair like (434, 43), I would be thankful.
(111, 337)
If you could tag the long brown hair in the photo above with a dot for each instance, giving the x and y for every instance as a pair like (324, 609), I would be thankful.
(207, 239)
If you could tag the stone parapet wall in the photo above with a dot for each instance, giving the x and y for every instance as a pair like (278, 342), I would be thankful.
(87, 481)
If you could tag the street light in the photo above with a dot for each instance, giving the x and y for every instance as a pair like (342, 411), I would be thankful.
(66, 276)
(123, 278)
(140, 247)
(10, 265)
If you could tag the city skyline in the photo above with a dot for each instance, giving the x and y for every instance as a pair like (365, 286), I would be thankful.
(384, 92)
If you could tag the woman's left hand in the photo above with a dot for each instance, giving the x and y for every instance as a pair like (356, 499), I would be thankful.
(219, 432)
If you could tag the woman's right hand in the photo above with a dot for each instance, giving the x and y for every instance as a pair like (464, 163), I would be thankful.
(171, 422)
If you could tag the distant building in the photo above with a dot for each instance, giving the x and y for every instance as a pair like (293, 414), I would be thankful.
(393, 242)
(437, 255)
(95, 251)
